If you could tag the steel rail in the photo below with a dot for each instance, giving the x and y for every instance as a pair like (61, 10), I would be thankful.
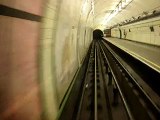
(84, 87)
(133, 79)
(95, 85)
(108, 105)
(130, 116)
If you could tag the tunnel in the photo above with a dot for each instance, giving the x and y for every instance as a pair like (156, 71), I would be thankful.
(97, 34)
(58, 63)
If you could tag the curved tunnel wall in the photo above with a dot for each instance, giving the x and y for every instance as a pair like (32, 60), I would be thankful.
(40, 57)
(66, 35)
(140, 32)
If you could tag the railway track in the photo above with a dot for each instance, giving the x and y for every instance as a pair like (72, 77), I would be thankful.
(137, 102)
(109, 91)
(94, 100)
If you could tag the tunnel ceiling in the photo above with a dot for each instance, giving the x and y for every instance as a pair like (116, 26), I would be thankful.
(104, 8)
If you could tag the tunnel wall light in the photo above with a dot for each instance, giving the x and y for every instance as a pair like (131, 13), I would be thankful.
(121, 5)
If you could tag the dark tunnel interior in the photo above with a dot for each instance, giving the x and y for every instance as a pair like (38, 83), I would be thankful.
(97, 34)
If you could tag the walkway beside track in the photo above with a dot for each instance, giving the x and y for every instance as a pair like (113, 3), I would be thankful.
(148, 54)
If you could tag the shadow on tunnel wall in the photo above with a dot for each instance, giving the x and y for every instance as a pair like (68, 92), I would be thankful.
(97, 34)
